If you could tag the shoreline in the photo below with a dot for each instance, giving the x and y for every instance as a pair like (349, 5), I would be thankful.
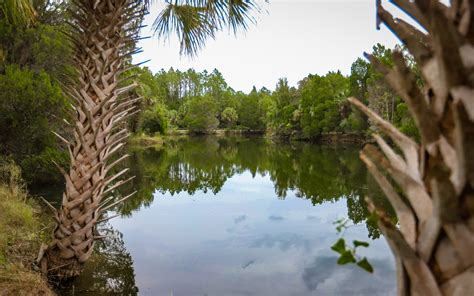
(332, 138)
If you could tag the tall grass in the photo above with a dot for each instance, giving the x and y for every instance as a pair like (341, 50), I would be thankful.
(20, 235)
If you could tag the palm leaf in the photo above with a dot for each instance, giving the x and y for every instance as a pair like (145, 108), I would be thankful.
(18, 12)
(194, 21)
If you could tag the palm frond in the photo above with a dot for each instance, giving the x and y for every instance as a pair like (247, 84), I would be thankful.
(194, 21)
(238, 13)
(18, 12)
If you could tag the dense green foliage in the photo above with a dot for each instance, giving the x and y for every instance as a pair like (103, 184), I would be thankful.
(33, 59)
(200, 114)
(321, 99)
(30, 103)
(203, 101)
(229, 116)
(154, 120)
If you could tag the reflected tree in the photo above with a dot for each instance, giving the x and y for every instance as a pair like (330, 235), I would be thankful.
(319, 174)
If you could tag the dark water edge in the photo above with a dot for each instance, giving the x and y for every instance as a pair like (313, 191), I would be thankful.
(324, 138)
(238, 216)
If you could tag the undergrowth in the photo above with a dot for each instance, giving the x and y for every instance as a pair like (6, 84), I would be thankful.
(21, 232)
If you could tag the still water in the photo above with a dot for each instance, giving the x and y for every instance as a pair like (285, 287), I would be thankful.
(238, 216)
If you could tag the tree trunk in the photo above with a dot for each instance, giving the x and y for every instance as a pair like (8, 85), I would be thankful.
(103, 37)
(431, 184)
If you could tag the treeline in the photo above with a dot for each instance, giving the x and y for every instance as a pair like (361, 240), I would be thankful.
(203, 101)
(36, 60)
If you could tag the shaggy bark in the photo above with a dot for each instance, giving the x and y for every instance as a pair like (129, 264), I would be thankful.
(434, 242)
(103, 36)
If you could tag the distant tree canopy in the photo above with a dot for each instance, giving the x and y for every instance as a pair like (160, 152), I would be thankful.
(34, 58)
(201, 101)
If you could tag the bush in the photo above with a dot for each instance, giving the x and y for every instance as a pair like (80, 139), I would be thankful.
(31, 106)
(405, 122)
(41, 168)
(155, 120)
(10, 176)
(201, 114)
(250, 113)
(173, 117)
(355, 122)
(229, 117)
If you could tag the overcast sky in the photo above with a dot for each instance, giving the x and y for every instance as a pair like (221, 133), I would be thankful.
(291, 39)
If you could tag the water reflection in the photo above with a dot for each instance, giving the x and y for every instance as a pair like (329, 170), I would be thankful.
(320, 174)
(109, 271)
(231, 244)
(325, 277)
(239, 216)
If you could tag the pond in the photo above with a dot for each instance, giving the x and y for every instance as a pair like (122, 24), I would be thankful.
(239, 216)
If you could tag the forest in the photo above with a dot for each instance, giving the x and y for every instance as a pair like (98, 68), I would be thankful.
(70, 97)
(34, 60)
(203, 101)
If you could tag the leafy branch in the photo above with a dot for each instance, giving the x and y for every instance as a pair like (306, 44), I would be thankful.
(348, 254)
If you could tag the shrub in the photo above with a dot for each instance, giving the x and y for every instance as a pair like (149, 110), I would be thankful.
(229, 117)
(155, 120)
(31, 106)
(201, 114)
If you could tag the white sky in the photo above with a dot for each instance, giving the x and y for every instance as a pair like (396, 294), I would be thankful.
(291, 39)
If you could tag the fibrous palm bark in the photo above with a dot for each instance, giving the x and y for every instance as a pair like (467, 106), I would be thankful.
(103, 36)
(430, 185)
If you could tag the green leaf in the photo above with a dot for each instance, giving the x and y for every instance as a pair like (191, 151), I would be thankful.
(339, 246)
(364, 264)
(345, 258)
(360, 244)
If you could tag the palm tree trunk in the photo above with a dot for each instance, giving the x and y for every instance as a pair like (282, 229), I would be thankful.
(434, 242)
(103, 38)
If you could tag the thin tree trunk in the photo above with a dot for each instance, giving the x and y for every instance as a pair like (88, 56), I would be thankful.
(103, 38)
(434, 243)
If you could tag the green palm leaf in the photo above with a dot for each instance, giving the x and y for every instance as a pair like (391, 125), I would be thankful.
(194, 21)
(18, 12)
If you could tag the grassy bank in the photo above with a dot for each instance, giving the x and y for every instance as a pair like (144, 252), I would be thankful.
(22, 229)
(145, 140)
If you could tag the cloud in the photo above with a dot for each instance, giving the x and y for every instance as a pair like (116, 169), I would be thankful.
(275, 218)
(313, 218)
(240, 218)
(248, 263)
(325, 277)
(283, 241)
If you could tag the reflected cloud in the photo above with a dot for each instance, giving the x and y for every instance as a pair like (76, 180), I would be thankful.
(325, 277)
(239, 236)
(275, 218)
(240, 218)
(248, 263)
(313, 218)
(283, 241)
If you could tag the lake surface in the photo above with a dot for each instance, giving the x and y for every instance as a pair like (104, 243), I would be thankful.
(239, 216)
